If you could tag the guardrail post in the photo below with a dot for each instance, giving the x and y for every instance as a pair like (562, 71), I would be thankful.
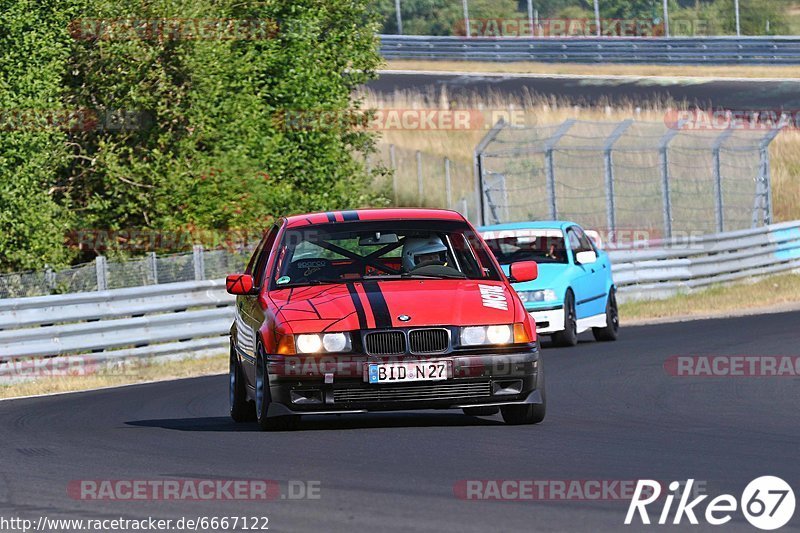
(199, 262)
(393, 162)
(101, 269)
(419, 177)
(153, 260)
(447, 185)
(611, 217)
(664, 164)
(718, 201)
(477, 162)
(550, 171)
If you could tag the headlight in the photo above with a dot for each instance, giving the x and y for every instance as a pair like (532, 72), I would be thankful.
(328, 342)
(544, 295)
(480, 335)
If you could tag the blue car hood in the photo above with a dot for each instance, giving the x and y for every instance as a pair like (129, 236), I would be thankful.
(551, 276)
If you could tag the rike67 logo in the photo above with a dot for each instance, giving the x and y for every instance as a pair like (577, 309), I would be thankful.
(767, 503)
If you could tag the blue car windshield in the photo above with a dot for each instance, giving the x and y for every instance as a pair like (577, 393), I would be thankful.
(527, 245)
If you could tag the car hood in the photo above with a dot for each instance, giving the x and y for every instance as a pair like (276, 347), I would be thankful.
(551, 276)
(380, 304)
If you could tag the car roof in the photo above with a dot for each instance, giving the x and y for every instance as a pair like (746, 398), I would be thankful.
(373, 215)
(532, 224)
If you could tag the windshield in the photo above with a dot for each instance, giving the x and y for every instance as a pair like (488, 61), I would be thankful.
(333, 253)
(540, 245)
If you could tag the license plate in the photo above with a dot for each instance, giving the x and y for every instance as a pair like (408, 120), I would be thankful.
(408, 371)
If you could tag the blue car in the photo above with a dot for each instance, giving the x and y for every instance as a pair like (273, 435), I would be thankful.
(574, 291)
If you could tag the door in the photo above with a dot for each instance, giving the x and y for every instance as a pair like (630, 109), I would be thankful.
(589, 283)
(249, 314)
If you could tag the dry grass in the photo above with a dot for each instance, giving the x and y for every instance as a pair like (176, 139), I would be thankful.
(133, 372)
(532, 110)
(601, 70)
(765, 293)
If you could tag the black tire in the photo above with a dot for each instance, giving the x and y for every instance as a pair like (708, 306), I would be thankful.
(263, 399)
(533, 413)
(569, 335)
(611, 331)
(242, 410)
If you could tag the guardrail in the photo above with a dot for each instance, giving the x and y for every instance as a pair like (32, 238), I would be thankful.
(669, 267)
(676, 50)
(161, 320)
(195, 316)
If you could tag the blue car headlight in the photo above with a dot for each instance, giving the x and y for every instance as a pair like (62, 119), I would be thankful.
(543, 295)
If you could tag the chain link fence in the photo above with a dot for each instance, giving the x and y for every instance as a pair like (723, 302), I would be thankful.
(103, 274)
(609, 176)
(420, 179)
(627, 175)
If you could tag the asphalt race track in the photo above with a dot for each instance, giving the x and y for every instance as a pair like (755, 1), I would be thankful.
(614, 414)
(735, 94)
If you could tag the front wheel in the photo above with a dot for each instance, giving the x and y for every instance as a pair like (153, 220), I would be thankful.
(569, 335)
(263, 399)
(242, 410)
(610, 332)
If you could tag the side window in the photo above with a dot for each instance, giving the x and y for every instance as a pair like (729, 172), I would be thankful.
(585, 243)
(254, 258)
(574, 241)
(263, 256)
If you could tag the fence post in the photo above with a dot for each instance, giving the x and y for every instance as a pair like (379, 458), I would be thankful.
(447, 184)
(611, 215)
(477, 162)
(419, 178)
(393, 162)
(199, 262)
(49, 278)
(766, 171)
(101, 270)
(550, 171)
(666, 204)
(153, 259)
(718, 202)
(399, 17)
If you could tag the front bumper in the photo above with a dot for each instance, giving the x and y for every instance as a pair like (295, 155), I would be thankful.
(493, 379)
(548, 319)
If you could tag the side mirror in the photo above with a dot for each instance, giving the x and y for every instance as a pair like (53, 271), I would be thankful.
(585, 258)
(523, 271)
(240, 284)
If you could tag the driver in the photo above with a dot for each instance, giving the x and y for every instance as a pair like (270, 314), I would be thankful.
(423, 251)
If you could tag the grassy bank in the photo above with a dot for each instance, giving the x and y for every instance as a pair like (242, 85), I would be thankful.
(774, 292)
(530, 67)
(133, 372)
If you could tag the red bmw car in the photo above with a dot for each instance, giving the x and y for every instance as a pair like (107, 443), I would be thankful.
(379, 310)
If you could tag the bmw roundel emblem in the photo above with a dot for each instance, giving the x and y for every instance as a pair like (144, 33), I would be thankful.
(404, 318)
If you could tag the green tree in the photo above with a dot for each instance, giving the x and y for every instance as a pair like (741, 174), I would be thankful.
(34, 214)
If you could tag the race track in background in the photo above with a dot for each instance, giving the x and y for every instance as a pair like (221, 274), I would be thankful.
(614, 414)
(736, 94)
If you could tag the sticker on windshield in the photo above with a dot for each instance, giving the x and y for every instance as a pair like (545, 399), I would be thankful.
(494, 297)
(283, 280)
